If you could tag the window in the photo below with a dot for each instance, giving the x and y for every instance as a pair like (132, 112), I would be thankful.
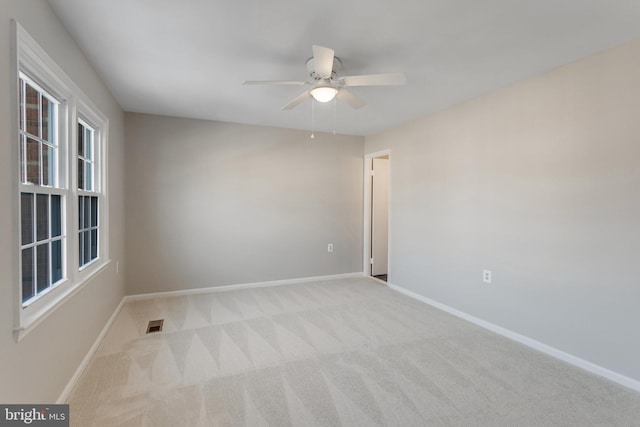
(88, 199)
(61, 221)
(41, 199)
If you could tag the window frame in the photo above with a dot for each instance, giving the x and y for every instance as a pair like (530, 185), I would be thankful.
(31, 61)
(90, 116)
(55, 188)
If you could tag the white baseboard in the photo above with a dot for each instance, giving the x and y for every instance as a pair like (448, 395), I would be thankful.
(529, 342)
(85, 362)
(225, 288)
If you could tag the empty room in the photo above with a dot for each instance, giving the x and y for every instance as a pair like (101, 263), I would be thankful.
(296, 213)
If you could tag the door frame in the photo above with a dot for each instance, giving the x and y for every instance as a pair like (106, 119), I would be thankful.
(366, 245)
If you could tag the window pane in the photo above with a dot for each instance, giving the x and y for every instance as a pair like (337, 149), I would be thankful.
(26, 217)
(42, 217)
(23, 150)
(87, 212)
(94, 212)
(80, 140)
(81, 249)
(46, 170)
(27, 274)
(51, 165)
(33, 161)
(88, 143)
(80, 174)
(45, 119)
(42, 266)
(88, 176)
(56, 216)
(80, 211)
(94, 244)
(22, 95)
(33, 115)
(56, 260)
(50, 128)
(87, 247)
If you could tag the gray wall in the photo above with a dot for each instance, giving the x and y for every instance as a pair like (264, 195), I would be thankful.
(540, 183)
(37, 368)
(212, 204)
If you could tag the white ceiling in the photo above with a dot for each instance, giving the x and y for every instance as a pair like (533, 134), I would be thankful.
(188, 58)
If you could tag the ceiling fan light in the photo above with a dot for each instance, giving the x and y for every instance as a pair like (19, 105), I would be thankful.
(324, 93)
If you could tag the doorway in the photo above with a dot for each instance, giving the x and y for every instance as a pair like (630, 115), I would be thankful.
(376, 245)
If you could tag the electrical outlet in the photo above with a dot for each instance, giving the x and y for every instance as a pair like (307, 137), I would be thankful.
(330, 247)
(486, 276)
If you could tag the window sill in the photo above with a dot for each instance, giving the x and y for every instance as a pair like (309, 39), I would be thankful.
(31, 316)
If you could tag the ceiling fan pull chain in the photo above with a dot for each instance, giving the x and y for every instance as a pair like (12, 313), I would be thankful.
(313, 110)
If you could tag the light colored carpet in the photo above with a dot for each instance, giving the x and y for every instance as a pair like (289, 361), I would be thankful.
(335, 353)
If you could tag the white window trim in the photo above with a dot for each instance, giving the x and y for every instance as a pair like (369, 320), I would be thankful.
(29, 57)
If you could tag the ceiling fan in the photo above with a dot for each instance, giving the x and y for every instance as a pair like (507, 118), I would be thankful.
(323, 68)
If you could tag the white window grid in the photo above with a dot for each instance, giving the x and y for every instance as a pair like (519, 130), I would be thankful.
(52, 141)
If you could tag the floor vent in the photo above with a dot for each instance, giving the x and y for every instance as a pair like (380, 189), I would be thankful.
(155, 326)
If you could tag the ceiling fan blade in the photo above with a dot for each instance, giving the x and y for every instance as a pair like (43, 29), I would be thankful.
(348, 97)
(374, 80)
(323, 61)
(297, 101)
(273, 82)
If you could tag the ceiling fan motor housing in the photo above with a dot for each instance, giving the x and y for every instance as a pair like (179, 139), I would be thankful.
(337, 66)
